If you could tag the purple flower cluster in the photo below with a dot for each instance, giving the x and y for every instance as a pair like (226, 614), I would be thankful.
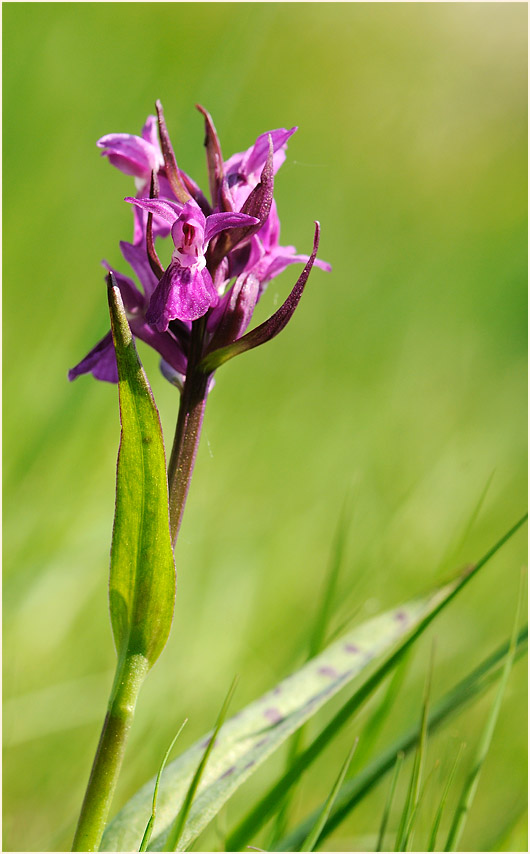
(224, 251)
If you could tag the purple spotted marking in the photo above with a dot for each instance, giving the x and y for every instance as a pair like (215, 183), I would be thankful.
(277, 690)
(273, 715)
(204, 744)
(352, 648)
(228, 772)
(249, 764)
(328, 671)
(401, 616)
(262, 741)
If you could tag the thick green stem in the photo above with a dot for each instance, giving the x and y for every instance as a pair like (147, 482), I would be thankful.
(130, 674)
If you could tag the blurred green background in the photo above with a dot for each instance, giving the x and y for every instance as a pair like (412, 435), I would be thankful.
(401, 380)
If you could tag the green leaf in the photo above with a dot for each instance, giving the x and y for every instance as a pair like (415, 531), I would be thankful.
(413, 794)
(389, 658)
(353, 791)
(443, 800)
(472, 780)
(175, 832)
(142, 570)
(256, 732)
(390, 798)
(313, 836)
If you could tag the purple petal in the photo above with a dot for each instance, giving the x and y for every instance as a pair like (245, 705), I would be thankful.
(100, 361)
(184, 293)
(253, 160)
(257, 155)
(166, 210)
(219, 221)
(150, 133)
(280, 260)
(136, 256)
(164, 343)
(131, 154)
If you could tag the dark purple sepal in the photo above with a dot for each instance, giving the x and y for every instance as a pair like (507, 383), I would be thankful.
(170, 162)
(214, 158)
(271, 327)
(257, 205)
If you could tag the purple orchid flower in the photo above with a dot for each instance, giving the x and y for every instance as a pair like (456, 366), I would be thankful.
(134, 155)
(221, 261)
(186, 290)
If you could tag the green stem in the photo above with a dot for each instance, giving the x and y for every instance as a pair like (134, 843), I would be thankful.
(130, 674)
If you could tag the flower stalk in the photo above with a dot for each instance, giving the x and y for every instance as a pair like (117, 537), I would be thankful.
(130, 674)
(187, 433)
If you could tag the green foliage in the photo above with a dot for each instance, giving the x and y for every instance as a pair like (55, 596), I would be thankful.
(175, 831)
(413, 795)
(149, 827)
(443, 801)
(142, 569)
(430, 608)
(313, 836)
(390, 798)
(355, 790)
(472, 780)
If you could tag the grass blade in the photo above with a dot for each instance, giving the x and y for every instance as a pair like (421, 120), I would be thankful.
(413, 794)
(314, 834)
(377, 719)
(149, 827)
(390, 798)
(353, 791)
(316, 642)
(443, 800)
(175, 832)
(257, 817)
(472, 781)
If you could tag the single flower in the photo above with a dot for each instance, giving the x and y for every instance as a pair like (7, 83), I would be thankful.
(186, 290)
